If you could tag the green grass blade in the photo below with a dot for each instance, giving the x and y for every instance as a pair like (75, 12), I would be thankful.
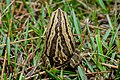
(93, 44)
(89, 65)
(117, 76)
(61, 74)
(118, 44)
(105, 36)
(4, 76)
(81, 73)
(26, 35)
(30, 10)
(98, 63)
(10, 76)
(114, 36)
(101, 3)
(109, 21)
(75, 23)
(8, 50)
(100, 49)
(43, 23)
(52, 75)
(8, 2)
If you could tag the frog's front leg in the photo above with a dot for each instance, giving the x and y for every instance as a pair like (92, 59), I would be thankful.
(75, 60)
(46, 61)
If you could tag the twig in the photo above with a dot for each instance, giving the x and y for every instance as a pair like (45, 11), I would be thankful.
(20, 41)
(4, 64)
(109, 65)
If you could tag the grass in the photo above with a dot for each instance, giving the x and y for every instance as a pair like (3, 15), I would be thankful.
(96, 28)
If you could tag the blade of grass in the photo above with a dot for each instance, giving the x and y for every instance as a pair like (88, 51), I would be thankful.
(8, 2)
(101, 3)
(114, 36)
(30, 10)
(61, 74)
(89, 65)
(66, 6)
(10, 76)
(109, 30)
(75, 23)
(23, 69)
(118, 44)
(99, 44)
(105, 36)
(113, 39)
(48, 8)
(109, 21)
(15, 59)
(8, 50)
(93, 44)
(26, 35)
(95, 59)
(4, 76)
(113, 57)
(81, 73)
(43, 23)
(90, 35)
(117, 76)
(52, 75)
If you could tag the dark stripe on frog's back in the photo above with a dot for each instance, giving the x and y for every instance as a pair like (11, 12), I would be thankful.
(51, 42)
(63, 42)
(54, 43)
(53, 47)
(50, 54)
(70, 36)
(48, 34)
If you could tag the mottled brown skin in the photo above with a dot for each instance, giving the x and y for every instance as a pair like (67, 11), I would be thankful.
(59, 45)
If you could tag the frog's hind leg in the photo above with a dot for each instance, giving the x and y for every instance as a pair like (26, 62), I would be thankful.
(75, 60)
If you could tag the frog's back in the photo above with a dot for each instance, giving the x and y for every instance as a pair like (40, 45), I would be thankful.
(60, 44)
